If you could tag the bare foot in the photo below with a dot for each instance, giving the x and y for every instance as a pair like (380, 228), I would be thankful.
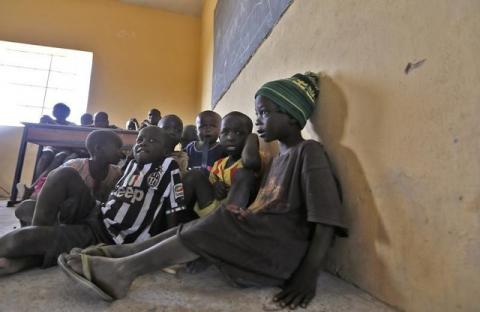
(106, 273)
(5, 267)
(238, 211)
(109, 251)
(9, 266)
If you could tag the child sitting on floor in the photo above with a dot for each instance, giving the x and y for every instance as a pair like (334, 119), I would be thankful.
(98, 172)
(173, 127)
(189, 135)
(147, 200)
(203, 153)
(282, 237)
(206, 193)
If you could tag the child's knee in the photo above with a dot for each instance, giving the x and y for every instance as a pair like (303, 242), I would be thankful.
(25, 210)
(63, 174)
(47, 155)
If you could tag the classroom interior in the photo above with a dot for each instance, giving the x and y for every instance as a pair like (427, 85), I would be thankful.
(404, 143)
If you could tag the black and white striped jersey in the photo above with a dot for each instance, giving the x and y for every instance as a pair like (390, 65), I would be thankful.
(146, 201)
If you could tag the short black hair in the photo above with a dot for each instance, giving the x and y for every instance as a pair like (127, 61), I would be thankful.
(86, 119)
(174, 117)
(100, 137)
(61, 108)
(246, 120)
(100, 116)
(155, 111)
(211, 114)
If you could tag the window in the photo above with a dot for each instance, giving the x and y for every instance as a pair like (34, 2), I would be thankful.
(34, 78)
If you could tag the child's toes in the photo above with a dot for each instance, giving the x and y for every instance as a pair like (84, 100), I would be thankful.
(75, 251)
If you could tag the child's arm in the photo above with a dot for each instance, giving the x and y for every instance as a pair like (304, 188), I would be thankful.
(300, 288)
(220, 190)
(251, 153)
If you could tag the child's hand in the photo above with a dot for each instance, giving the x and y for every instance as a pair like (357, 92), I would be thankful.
(299, 289)
(220, 190)
(239, 212)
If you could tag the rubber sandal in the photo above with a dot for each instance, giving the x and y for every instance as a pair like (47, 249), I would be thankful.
(86, 280)
(101, 247)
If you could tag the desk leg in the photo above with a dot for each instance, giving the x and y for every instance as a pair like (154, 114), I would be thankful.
(39, 153)
(18, 168)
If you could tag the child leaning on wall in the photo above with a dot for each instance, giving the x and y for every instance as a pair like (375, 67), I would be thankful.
(281, 239)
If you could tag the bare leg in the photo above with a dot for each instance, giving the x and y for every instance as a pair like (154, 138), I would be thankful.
(14, 265)
(243, 188)
(24, 212)
(115, 275)
(43, 162)
(60, 185)
(119, 251)
(197, 188)
(24, 248)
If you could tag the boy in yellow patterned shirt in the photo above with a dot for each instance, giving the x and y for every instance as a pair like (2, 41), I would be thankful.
(228, 172)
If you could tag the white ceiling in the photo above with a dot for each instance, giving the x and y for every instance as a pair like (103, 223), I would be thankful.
(186, 7)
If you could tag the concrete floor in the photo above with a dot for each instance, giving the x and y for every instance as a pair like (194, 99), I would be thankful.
(51, 290)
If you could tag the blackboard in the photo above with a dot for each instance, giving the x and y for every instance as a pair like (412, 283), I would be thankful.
(240, 26)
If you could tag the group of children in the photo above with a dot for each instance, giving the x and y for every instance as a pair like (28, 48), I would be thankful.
(261, 222)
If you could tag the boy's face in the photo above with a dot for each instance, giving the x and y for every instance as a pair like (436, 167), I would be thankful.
(150, 145)
(271, 123)
(60, 113)
(189, 134)
(154, 117)
(100, 120)
(86, 120)
(172, 128)
(233, 134)
(112, 153)
(208, 128)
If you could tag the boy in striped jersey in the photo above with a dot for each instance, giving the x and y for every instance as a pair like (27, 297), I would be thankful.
(147, 200)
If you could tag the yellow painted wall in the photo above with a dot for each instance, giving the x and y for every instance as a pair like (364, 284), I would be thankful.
(143, 57)
(206, 54)
(405, 146)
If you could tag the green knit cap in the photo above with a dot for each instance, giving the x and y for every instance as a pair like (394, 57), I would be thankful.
(295, 96)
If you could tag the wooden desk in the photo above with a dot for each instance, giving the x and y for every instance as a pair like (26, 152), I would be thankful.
(57, 136)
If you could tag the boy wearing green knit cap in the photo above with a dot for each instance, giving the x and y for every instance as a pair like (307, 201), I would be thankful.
(281, 239)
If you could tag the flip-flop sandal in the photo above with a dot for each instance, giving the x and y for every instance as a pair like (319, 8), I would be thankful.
(86, 280)
(100, 247)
